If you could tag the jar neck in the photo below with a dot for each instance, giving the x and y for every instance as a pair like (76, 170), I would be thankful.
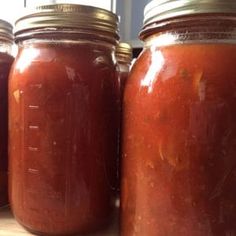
(6, 47)
(68, 41)
(69, 35)
(124, 67)
(123, 59)
(37, 44)
(195, 29)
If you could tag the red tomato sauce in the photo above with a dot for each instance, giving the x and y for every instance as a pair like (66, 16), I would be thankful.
(179, 153)
(5, 64)
(63, 137)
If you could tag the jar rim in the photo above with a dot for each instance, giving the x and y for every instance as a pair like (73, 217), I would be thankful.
(160, 10)
(67, 16)
(124, 52)
(6, 33)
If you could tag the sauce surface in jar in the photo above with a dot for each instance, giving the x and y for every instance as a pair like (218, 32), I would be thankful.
(179, 129)
(63, 135)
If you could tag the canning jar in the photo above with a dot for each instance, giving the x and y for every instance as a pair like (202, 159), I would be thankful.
(6, 59)
(179, 123)
(64, 118)
(124, 58)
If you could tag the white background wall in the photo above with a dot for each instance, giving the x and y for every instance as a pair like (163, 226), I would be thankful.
(10, 10)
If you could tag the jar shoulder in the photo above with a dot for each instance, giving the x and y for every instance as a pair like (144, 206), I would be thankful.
(54, 58)
(173, 60)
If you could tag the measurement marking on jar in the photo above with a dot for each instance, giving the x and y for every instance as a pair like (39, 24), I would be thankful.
(33, 107)
(34, 127)
(33, 149)
(36, 86)
(33, 171)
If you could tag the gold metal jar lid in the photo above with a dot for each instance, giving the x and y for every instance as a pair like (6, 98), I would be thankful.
(71, 16)
(6, 33)
(124, 52)
(159, 10)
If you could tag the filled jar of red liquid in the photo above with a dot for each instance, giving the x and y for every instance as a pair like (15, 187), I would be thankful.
(6, 59)
(64, 118)
(179, 123)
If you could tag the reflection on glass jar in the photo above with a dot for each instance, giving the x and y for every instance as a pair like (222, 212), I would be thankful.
(179, 126)
(64, 119)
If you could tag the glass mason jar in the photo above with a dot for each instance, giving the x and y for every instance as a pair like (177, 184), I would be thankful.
(6, 60)
(64, 118)
(179, 123)
(124, 58)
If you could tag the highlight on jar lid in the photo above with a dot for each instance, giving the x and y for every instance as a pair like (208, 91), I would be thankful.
(158, 10)
(124, 52)
(6, 33)
(77, 16)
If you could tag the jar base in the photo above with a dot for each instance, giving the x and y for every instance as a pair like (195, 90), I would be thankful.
(102, 229)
